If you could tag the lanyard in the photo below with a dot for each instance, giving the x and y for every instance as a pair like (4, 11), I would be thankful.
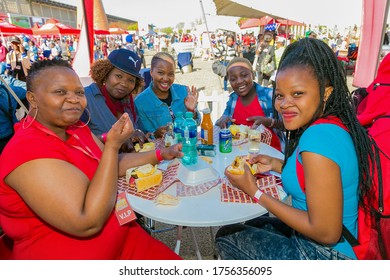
(171, 113)
(82, 147)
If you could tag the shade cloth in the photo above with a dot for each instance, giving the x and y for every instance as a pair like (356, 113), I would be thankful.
(54, 27)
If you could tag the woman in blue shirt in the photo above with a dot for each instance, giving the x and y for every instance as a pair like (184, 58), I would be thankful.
(156, 105)
(326, 167)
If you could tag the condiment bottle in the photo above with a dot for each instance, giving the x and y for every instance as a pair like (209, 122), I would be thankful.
(206, 133)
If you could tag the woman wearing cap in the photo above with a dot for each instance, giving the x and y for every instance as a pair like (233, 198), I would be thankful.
(156, 105)
(18, 60)
(116, 80)
(250, 104)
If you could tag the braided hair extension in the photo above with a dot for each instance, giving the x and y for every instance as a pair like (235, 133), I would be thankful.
(314, 54)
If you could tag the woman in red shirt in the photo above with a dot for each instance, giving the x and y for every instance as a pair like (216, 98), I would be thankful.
(58, 182)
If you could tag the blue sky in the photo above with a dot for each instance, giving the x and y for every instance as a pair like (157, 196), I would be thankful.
(170, 12)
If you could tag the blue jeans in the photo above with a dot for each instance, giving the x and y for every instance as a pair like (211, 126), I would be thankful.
(267, 238)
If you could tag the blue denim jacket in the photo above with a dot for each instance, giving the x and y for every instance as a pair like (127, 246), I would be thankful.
(264, 96)
(101, 117)
(152, 113)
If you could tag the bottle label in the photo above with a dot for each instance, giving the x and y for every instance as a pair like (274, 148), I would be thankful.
(186, 133)
(204, 135)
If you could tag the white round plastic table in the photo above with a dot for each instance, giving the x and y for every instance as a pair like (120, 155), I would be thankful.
(206, 209)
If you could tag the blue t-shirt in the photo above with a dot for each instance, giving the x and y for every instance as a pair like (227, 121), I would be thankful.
(335, 143)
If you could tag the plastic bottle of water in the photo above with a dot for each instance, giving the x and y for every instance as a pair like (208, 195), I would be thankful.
(189, 140)
(177, 127)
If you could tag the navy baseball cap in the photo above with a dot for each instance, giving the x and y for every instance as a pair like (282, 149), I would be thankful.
(127, 61)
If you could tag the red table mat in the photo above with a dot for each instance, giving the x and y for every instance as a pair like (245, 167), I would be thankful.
(268, 184)
(169, 178)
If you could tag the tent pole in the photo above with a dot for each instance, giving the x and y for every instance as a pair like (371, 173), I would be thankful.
(207, 28)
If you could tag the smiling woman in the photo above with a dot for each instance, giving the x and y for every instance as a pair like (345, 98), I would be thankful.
(250, 103)
(116, 82)
(157, 105)
(58, 182)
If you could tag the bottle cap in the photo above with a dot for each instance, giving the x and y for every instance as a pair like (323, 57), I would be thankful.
(179, 114)
(206, 111)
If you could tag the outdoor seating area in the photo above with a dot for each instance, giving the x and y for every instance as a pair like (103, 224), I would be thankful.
(130, 140)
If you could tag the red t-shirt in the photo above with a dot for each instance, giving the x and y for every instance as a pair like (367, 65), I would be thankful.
(241, 113)
(33, 237)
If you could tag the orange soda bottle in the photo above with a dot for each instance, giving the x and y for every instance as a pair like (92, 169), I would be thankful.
(207, 127)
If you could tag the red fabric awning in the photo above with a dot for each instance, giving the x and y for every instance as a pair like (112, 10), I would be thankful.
(8, 28)
(290, 22)
(54, 27)
(256, 22)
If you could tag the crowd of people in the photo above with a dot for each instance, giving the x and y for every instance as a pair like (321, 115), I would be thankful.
(58, 195)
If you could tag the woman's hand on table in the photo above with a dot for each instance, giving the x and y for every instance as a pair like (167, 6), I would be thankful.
(245, 182)
(160, 132)
(172, 152)
(136, 137)
(224, 120)
(266, 163)
(120, 132)
(258, 120)
(192, 99)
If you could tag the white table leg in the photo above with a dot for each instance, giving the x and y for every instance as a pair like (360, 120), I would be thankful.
(196, 244)
(178, 239)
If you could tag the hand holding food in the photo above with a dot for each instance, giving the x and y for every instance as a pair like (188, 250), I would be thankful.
(266, 163)
(237, 167)
(240, 175)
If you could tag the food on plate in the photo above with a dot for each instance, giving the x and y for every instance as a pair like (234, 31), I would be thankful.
(167, 199)
(239, 131)
(145, 176)
(237, 166)
(149, 146)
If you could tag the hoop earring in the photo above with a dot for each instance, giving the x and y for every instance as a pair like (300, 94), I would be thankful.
(89, 119)
(28, 113)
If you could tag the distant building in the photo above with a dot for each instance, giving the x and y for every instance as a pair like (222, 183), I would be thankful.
(27, 12)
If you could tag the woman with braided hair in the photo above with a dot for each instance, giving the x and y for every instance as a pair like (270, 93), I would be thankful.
(326, 170)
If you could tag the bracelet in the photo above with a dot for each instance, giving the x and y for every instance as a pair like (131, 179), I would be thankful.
(257, 196)
(104, 137)
(158, 156)
(272, 123)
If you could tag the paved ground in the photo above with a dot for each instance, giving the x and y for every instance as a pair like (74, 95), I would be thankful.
(204, 79)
